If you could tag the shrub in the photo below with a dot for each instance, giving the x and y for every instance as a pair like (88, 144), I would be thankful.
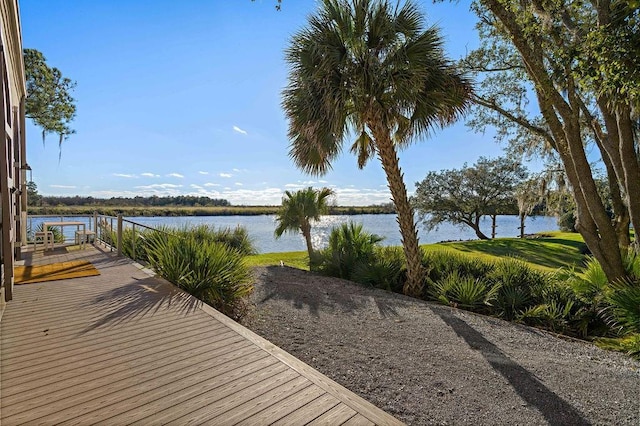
(209, 270)
(387, 270)
(518, 287)
(441, 264)
(237, 238)
(350, 247)
(463, 291)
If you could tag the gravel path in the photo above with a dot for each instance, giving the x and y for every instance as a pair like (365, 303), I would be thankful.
(430, 364)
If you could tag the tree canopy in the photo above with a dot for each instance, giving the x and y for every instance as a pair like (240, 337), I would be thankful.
(49, 102)
(299, 209)
(578, 61)
(463, 196)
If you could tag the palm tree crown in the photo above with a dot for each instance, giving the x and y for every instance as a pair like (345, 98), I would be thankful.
(299, 209)
(375, 71)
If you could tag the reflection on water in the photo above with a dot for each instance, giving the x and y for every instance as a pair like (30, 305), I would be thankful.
(261, 228)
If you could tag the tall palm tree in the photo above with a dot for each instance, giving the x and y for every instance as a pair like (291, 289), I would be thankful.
(372, 70)
(299, 209)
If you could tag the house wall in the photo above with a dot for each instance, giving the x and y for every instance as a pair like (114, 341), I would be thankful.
(12, 155)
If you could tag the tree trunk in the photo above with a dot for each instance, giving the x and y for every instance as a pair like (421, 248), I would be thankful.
(388, 157)
(476, 228)
(493, 226)
(305, 229)
(522, 218)
(562, 114)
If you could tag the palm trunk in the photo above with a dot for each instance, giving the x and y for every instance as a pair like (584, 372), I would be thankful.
(522, 218)
(388, 157)
(305, 228)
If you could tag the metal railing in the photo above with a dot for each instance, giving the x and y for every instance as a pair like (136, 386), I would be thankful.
(112, 232)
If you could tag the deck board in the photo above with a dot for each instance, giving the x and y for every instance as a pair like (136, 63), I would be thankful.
(127, 348)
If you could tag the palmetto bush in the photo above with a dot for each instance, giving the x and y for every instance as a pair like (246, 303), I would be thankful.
(387, 270)
(236, 238)
(463, 291)
(441, 264)
(209, 270)
(350, 248)
(519, 287)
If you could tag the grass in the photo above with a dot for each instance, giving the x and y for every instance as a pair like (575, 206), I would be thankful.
(551, 251)
(295, 259)
(548, 253)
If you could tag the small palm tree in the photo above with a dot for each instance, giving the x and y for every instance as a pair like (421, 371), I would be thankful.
(299, 209)
(367, 68)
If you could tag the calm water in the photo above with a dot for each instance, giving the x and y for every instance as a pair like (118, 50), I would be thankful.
(261, 228)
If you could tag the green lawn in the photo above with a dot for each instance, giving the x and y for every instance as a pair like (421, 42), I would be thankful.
(296, 259)
(551, 251)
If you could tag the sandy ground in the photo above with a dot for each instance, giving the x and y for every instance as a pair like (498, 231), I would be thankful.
(430, 364)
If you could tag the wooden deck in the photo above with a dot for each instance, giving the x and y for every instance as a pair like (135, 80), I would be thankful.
(127, 348)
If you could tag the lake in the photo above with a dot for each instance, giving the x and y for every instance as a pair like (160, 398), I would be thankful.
(261, 228)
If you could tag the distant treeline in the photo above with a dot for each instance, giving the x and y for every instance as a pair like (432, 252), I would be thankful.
(192, 211)
(154, 201)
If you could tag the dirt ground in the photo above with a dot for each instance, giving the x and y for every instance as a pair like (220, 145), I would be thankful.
(430, 364)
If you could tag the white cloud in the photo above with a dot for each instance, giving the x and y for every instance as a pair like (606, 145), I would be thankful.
(175, 175)
(293, 185)
(123, 175)
(238, 184)
(149, 175)
(63, 186)
(209, 184)
(194, 186)
(159, 186)
(203, 173)
(322, 181)
(239, 130)
(225, 175)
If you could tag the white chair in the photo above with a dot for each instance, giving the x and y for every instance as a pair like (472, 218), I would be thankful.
(46, 238)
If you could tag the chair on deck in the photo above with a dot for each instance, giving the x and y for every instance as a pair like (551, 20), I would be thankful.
(46, 238)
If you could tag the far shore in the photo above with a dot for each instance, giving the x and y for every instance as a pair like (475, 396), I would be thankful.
(194, 211)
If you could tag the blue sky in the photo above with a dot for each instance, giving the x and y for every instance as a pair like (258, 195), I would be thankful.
(183, 97)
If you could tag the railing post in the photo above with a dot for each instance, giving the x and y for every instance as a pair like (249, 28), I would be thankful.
(95, 228)
(119, 235)
(134, 242)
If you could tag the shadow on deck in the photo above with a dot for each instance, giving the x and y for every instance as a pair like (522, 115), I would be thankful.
(124, 347)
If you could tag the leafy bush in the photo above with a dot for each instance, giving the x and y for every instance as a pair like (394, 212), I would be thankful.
(518, 287)
(209, 270)
(441, 264)
(237, 238)
(350, 248)
(387, 270)
(463, 291)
